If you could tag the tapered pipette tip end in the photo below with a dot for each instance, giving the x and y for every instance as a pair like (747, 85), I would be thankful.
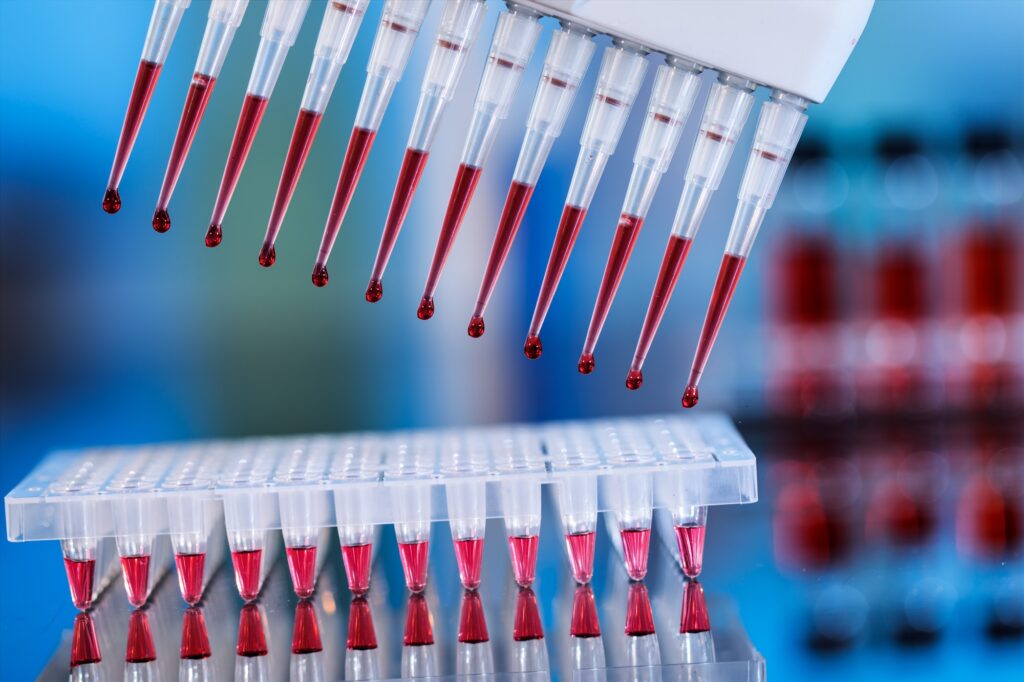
(214, 236)
(476, 327)
(635, 379)
(268, 255)
(690, 396)
(320, 275)
(426, 309)
(533, 347)
(586, 363)
(112, 201)
(374, 291)
(161, 220)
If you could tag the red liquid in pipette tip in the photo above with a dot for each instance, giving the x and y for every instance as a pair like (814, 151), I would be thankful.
(639, 617)
(195, 640)
(302, 567)
(523, 550)
(469, 554)
(622, 247)
(527, 625)
(691, 548)
(668, 275)
(85, 646)
(408, 179)
(472, 622)
(306, 125)
(306, 630)
(636, 544)
(355, 158)
(584, 623)
(190, 576)
(581, 554)
(462, 193)
(252, 639)
(728, 276)
(248, 565)
(511, 217)
(80, 580)
(357, 567)
(135, 570)
(565, 238)
(414, 563)
(418, 631)
(694, 616)
(245, 132)
(145, 81)
(140, 647)
(195, 104)
(361, 635)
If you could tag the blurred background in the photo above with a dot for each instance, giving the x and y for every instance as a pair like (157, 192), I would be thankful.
(873, 354)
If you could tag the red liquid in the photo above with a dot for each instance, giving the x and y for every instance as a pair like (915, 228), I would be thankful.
(306, 630)
(458, 204)
(357, 560)
(80, 580)
(691, 548)
(245, 132)
(145, 82)
(302, 567)
(988, 522)
(469, 554)
(306, 125)
(901, 283)
(418, 631)
(635, 546)
(472, 623)
(900, 518)
(414, 563)
(195, 641)
(725, 285)
(247, 572)
(361, 635)
(527, 625)
(671, 265)
(533, 347)
(622, 248)
(425, 311)
(476, 327)
(408, 179)
(355, 158)
(511, 217)
(523, 549)
(581, 555)
(639, 617)
(195, 104)
(252, 640)
(140, 647)
(584, 621)
(85, 646)
(806, 535)
(565, 239)
(694, 616)
(190, 576)
(991, 284)
(807, 282)
(135, 570)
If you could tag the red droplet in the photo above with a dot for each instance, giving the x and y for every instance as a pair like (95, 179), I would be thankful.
(195, 641)
(374, 291)
(694, 616)
(111, 201)
(135, 570)
(190, 576)
(533, 347)
(214, 235)
(472, 623)
(469, 554)
(161, 221)
(85, 646)
(357, 567)
(581, 555)
(268, 255)
(80, 580)
(690, 396)
(418, 631)
(140, 647)
(635, 379)
(639, 617)
(247, 565)
(414, 563)
(426, 309)
(523, 549)
(635, 548)
(476, 327)
(320, 275)
(361, 635)
(584, 622)
(306, 630)
(302, 567)
(252, 640)
(691, 548)
(586, 363)
(527, 625)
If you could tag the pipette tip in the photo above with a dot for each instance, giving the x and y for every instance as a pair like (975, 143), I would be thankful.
(268, 255)
(586, 363)
(112, 201)
(214, 235)
(426, 309)
(476, 326)
(635, 379)
(533, 347)
(690, 396)
(320, 275)
(161, 220)
(374, 291)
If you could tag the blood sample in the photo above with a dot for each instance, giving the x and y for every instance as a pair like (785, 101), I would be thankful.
(245, 132)
(581, 555)
(690, 540)
(639, 617)
(248, 567)
(140, 647)
(988, 521)
(195, 641)
(190, 576)
(361, 635)
(163, 25)
(302, 567)
(523, 550)
(414, 563)
(85, 646)
(584, 623)
(511, 48)
(469, 554)
(635, 547)
(418, 631)
(306, 125)
(472, 622)
(357, 560)
(135, 570)
(565, 238)
(527, 625)
(694, 615)
(252, 638)
(306, 630)
(81, 576)
(408, 178)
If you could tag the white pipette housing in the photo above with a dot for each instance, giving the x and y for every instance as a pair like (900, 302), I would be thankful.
(338, 30)
(163, 25)
(223, 20)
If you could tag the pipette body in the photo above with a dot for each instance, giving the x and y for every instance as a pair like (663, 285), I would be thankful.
(622, 71)
(675, 88)
(281, 25)
(397, 30)
(456, 36)
(221, 24)
(778, 132)
(399, 25)
(567, 60)
(511, 49)
(163, 25)
(725, 114)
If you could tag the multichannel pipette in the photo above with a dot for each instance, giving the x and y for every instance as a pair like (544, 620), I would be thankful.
(281, 25)
(567, 60)
(511, 49)
(398, 27)
(778, 131)
(163, 25)
(221, 24)
(456, 36)
(725, 114)
(675, 88)
(622, 72)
